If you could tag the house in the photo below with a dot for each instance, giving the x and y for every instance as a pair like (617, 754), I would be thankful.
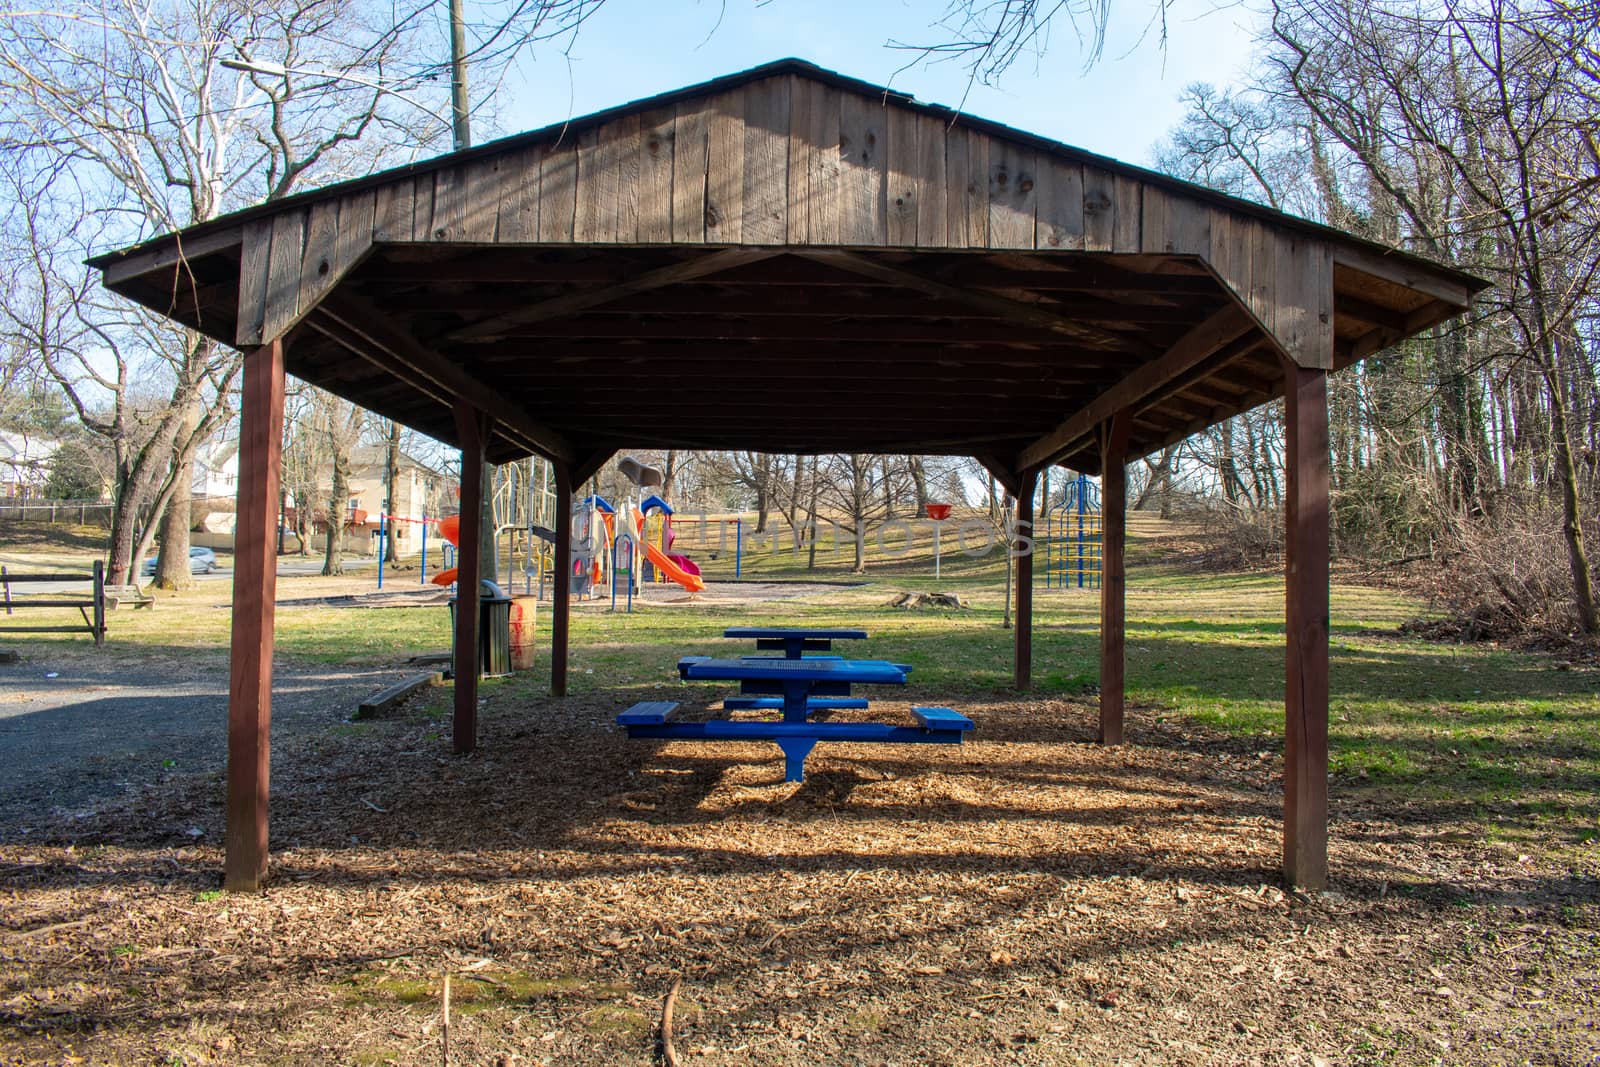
(420, 491)
(24, 463)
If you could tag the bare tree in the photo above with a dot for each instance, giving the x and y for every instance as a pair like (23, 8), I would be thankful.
(851, 487)
(341, 422)
(1475, 126)
(120, 119)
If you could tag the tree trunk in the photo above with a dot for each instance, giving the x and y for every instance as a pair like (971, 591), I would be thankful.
(488, 541)
(858, 510)
(669, 474)
(391, 473)
(888, 488)
(1227, 466)
(1006, 529)
(172, 563)
(1159, 482)
(811, 516)
(1455, 419)
(763, 508)
(338, 504)
(919, 482)
(123, 519)
(1571, 517)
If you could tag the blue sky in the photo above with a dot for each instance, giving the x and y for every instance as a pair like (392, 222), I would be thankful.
(1120, 107)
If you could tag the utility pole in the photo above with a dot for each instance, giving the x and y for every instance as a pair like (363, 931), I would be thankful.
(461, 122)
(461, 136)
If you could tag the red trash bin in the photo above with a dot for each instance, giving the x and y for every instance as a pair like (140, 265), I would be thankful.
(524, 610)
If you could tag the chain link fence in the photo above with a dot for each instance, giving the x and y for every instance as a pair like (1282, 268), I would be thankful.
(59, 512)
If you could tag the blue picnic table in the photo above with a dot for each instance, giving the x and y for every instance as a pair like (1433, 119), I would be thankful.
(796, 680)
(794, 642)
(797, 687)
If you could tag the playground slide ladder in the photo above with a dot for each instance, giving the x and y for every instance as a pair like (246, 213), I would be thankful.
(1072, 537)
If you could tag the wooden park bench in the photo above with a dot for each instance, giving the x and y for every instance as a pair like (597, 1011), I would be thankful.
(129, 594)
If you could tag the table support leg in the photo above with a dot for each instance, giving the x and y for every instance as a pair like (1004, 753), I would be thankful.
(795, 705)
(795, 751)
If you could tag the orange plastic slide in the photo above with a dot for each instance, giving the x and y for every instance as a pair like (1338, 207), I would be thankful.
(450, 530)
(692, 582)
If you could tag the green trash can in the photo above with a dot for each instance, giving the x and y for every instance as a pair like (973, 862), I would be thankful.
(494, 631)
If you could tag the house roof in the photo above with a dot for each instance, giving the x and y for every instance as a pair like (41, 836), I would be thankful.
(788, 259)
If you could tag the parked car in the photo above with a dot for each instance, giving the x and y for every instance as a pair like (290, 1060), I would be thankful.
(201, 561)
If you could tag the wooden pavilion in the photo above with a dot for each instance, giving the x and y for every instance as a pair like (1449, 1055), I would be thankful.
(791, 261)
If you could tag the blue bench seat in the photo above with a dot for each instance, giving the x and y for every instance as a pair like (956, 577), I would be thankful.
(939, 726)
(776, 703)
(941, 719)
(648, 713)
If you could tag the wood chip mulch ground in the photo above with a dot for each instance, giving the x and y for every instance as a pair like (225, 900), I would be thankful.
(1027, 898)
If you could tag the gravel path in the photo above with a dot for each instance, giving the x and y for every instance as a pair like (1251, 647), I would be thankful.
(98, 727)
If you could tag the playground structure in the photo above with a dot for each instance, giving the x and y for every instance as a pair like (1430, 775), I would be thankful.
(524, 516)
(1070, 536)
(641, 550)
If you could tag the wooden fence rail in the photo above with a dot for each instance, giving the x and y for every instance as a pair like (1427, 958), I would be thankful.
(95, 624)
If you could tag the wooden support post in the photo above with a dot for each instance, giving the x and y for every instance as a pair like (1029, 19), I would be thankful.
(255, 584)
(1023, 633)
(1305, 774)
(472, 431)
(561, 590)
(99, 603)
(1113, 585)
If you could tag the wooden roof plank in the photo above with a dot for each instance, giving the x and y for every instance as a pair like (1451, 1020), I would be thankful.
(725, 171)
(558, 193)
(765, 198)
(691, 129)
(1013, 195)
(930, 175)
(583, 299)
(1404, 271)
(175, 254)
(1000, 307)
(1058, 223)
(517, 206)
(863, 171)
(657, 145)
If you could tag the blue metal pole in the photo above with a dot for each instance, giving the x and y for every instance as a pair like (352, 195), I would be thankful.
(1083, 510)
(738, 546)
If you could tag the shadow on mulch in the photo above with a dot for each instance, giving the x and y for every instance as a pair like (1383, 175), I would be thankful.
(1028, 882)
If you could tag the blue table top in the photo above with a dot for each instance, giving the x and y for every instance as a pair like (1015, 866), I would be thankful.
(853, 671)
(791, 632)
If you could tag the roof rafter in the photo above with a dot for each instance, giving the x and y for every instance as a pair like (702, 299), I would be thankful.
(1223, 327)
(360, 320)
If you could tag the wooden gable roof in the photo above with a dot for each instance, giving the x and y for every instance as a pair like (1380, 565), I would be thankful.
(789, 260)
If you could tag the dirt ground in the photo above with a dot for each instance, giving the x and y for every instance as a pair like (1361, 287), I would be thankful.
(1028, 898)
(76, 728)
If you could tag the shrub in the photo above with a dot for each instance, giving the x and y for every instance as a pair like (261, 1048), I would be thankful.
(1507, 576)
